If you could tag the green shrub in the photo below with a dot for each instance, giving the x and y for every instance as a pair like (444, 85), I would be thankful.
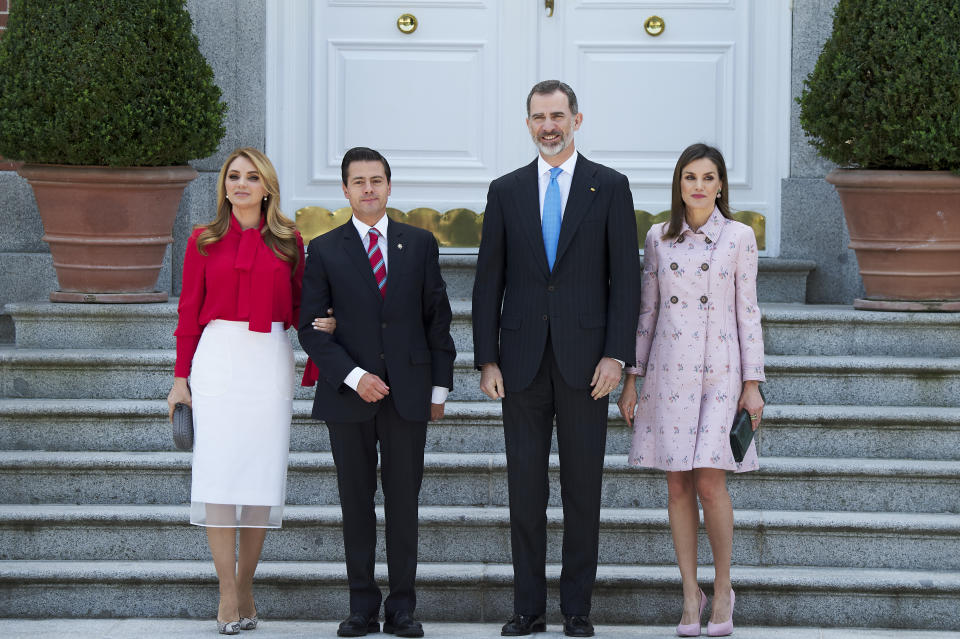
(885, 92)
(106, 82)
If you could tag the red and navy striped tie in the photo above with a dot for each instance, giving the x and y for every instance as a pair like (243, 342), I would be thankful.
(376, 261)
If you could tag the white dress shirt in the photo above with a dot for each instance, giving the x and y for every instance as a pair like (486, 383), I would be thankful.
(439, 393)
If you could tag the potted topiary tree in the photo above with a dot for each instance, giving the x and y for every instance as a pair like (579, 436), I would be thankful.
(106, 101)
(884, 102)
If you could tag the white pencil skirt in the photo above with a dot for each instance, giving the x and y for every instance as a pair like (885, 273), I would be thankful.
(242, 387)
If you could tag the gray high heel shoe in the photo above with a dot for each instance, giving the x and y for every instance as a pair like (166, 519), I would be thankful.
(249, 623)
(228, 627)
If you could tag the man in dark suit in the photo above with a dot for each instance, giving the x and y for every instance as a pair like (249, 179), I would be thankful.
(559, 252)
(385, 371)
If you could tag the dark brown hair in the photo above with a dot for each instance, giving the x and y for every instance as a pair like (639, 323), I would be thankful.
(677, 208)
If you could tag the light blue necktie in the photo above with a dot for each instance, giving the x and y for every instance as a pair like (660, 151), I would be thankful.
(551, 216)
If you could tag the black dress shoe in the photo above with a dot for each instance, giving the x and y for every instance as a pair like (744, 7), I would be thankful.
(358, 625)
(577, 626)
(403, 625)
(520, 625)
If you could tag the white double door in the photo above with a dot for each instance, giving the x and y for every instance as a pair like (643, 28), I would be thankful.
(446, 103)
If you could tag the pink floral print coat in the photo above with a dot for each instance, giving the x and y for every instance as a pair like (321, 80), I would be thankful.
(698, 339)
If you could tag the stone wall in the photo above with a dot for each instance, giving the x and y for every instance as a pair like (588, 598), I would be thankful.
(813, 227)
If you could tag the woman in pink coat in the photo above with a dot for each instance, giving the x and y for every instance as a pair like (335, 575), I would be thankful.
(700, 349)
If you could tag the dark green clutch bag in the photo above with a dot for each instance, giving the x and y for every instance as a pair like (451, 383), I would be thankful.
(741, 434)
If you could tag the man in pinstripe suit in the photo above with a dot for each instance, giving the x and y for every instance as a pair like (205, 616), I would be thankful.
(555, 306)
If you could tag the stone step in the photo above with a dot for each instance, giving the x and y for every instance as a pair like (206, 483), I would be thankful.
(784, 596)
(789, 329)
(482, 534)
(812, 329)
(899, 432)
(782, 483)
(853, 380)
(271, 628)
(138, 374)
(139, 326)
(141, 425)
(878, 432)
(810, 379)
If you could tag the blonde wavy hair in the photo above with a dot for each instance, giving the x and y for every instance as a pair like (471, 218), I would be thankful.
(279, 232)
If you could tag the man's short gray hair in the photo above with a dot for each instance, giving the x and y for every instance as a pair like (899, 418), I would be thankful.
(552, 86)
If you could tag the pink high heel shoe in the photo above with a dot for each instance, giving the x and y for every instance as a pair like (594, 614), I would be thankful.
(725, 628)
(693, 629)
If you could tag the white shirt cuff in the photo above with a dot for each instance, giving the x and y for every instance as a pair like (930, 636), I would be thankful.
(619, 361)
(438, 395)
(353, 378)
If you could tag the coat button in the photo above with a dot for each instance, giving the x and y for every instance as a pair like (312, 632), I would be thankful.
(382, 356)
(673, 266)
(703, 299)
(704, 267)
(550, 288)
(708, 241)
(680, 240)
(674, 300)
(383, 325)
(545, 318)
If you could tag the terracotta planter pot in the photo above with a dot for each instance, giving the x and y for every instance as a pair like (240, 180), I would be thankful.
(905, 229)
(107, 228)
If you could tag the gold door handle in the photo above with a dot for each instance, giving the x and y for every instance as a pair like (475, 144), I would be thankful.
(548, 5)
(654, 25)
(407, 23)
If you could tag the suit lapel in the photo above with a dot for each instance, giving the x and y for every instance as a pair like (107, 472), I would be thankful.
(397, 251)
(357, 254)
(527, 210)
(583, 189)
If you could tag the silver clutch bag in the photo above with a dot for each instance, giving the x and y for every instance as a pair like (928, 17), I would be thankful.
(183, 427)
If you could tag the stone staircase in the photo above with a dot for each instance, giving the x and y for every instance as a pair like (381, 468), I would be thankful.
(853, 519)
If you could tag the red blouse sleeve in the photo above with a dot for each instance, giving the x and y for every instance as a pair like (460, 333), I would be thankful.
(191, 301)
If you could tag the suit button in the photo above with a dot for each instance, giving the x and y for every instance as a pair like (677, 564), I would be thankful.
(704, 267)
(680, 240)
(673, 266)
(703, 299)
(382, 356)
(708, 241)
(545, 318)
(674, 300)
(550, 288)
(384, 325)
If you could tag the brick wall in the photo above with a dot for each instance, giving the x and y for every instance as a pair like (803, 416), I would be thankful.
(4, 12)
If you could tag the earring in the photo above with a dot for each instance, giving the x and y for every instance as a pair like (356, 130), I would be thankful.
(719, 193)
(264, 198)
(226, 197)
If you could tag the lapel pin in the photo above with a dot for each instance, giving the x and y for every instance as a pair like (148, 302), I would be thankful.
(400, 246)
(593, 188)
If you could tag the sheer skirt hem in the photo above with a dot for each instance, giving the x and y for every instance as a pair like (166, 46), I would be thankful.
(235, 515)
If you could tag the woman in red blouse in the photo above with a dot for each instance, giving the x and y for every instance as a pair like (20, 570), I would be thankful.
(241, 290)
